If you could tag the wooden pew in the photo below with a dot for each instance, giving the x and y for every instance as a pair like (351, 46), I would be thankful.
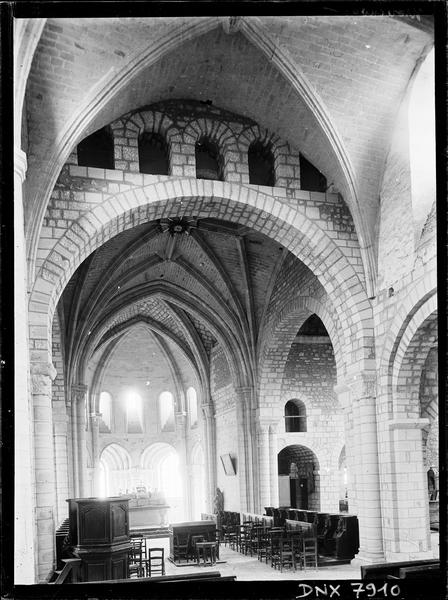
(384, 570)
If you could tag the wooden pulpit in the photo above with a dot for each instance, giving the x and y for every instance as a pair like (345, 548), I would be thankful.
(99, 536)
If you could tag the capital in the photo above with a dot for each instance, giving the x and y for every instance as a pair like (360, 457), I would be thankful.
(418, 423)
(208, 410)
(79, 391)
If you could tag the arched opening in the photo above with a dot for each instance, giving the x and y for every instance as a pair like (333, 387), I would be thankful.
(97, 150)
(208, 160)
(115, 471)
(160, 470)
(295, 416)
(298, 475)
(105, 409)
(311, 179)
(261, 164)
(153, 154)
(134, 412)
(166, 411)
(429, 409)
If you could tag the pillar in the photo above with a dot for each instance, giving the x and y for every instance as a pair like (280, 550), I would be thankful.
(245, 466)
(263, 466)
(60, 426)
(210, 453)
(95, 433)
(181, 447)
(358, 398)
(42, 375)
(24, 485)
(273, 464)
(79, 392)
(406, 515)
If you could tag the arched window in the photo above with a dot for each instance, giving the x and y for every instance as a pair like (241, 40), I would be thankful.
(166, 411)
(311, 179)
(261, 164)
(192, 400)
(97, 150)
(208, 160)
(295, 416)
(153, 154)
(134, 413)
(105, 409)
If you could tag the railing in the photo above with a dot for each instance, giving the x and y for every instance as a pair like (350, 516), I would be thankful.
(71, 569)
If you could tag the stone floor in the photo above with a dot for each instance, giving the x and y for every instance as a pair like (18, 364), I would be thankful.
(247, 568)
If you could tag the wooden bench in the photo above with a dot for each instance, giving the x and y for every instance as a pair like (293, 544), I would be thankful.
(206, 575)
(389, 570)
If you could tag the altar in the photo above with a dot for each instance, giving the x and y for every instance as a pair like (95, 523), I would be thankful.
(145, 513)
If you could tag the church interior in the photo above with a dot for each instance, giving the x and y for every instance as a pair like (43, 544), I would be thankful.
(225, 296)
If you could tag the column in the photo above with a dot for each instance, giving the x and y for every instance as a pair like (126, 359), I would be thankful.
(210, 453)
(181, 446)
(264, 498)
(358, 397)
(273, 464)
(24, 532)
(95, 432)
(245, 453)
(79, 392)
(42, 375)
(60, 423)
(407, 518)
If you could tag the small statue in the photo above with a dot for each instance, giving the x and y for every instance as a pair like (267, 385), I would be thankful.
(219, 501)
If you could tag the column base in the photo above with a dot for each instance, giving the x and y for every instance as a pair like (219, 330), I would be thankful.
(408, 556)
(369, 558)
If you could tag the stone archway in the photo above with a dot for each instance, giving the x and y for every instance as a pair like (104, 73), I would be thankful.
(402, 435)
(298, 471)
(115, 470)
(160, 468)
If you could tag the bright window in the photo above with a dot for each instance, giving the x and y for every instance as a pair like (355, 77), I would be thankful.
(166, 411)
(134, 413)
(192, 406)
(105, 409)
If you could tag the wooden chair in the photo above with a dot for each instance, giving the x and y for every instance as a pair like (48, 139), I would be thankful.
(244, 537)
(194, 539)
(287, 553)
(155, 562)
(263, 545)
(309, 552)
(136, 557)
(273, 549)
(181, 546)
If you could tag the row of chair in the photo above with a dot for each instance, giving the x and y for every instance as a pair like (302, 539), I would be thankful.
(278, 546)
(144, 561)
